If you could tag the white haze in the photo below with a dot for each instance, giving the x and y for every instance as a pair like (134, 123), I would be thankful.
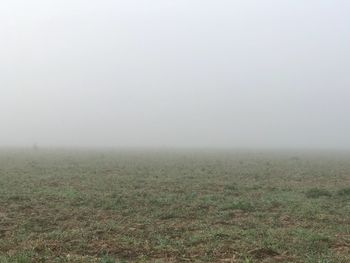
(175, 73)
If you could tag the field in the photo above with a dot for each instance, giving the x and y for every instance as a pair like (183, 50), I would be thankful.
(174, 206)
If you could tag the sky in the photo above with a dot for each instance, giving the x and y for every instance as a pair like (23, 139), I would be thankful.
(175, 73)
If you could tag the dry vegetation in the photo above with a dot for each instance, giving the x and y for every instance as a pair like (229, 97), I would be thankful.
(75, 206)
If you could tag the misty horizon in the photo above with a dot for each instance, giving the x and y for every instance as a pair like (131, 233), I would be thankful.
(175, 74)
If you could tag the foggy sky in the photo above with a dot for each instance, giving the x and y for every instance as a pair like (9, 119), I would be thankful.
(175, 73)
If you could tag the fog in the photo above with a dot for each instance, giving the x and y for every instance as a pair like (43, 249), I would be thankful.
(175, 73)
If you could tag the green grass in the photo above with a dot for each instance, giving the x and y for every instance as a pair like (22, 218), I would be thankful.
(316, 193)
(180, 206)
(344, 192)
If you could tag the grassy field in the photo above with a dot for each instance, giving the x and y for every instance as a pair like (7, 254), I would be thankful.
(162, 206)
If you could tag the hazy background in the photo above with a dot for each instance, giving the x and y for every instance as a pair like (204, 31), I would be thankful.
(175, 73)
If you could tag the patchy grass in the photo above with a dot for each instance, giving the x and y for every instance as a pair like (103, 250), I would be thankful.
(180, 206)
(316, 193)
(344, 192)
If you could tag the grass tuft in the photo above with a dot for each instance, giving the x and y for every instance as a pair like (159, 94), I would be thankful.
(344, 192)
(317, 192)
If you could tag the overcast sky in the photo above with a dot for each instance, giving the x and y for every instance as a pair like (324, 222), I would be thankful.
(175, 73)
